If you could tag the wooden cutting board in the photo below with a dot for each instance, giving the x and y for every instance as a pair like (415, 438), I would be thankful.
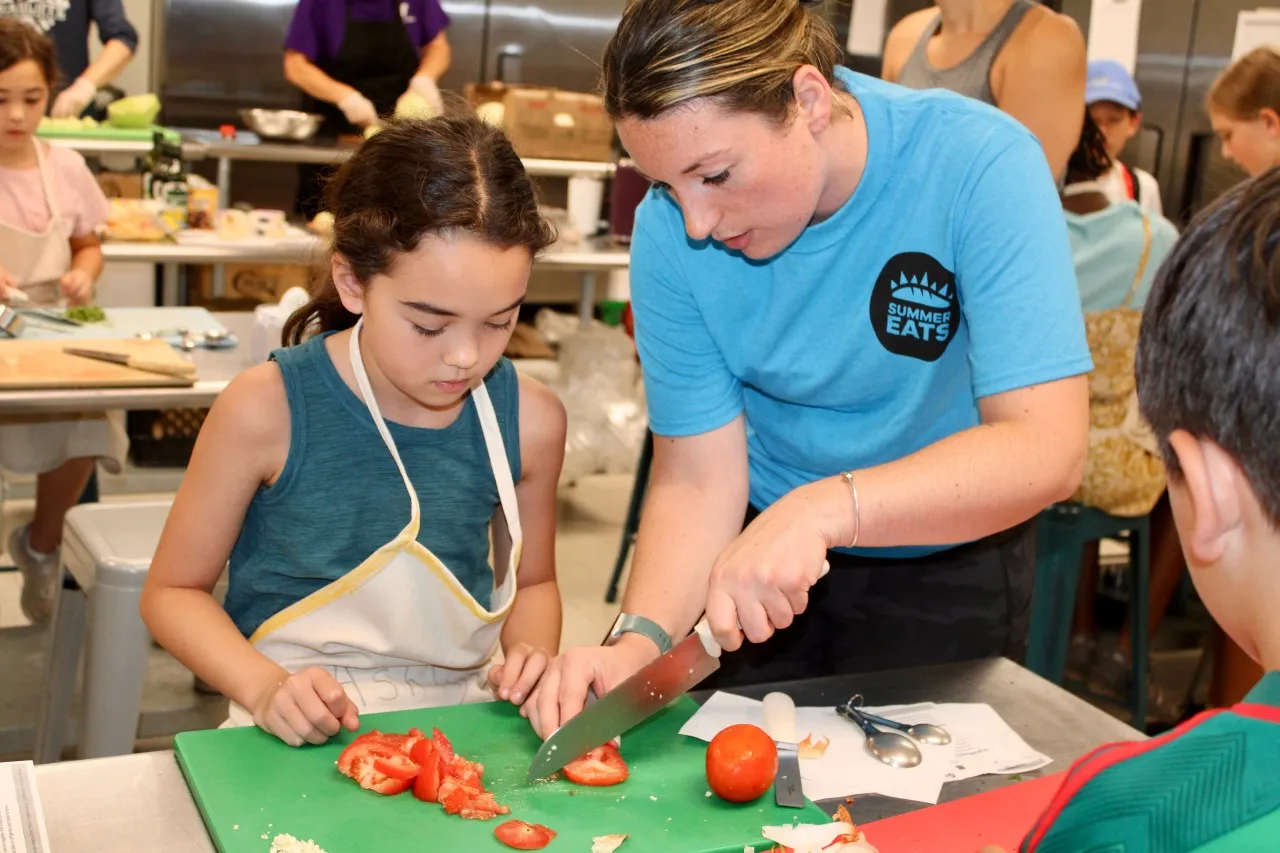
(29, 365)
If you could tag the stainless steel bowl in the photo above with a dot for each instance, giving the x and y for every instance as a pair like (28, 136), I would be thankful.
(282, 124)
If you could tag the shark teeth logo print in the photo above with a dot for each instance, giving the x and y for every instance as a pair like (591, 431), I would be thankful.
(914, 307)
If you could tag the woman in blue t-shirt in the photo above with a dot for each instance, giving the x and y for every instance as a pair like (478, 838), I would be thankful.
(858, 321)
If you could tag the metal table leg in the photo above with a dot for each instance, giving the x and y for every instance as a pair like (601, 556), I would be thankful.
(587, 301)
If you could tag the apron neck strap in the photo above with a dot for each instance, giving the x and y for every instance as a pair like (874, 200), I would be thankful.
(498, 460)
(371, 402)
(46, 180)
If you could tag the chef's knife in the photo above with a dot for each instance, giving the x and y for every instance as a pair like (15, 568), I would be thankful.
(780, 724)
(183, 370)
(631, 702)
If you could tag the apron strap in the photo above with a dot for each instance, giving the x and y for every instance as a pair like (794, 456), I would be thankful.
(366, 391)
(498, 460)
(46, 180)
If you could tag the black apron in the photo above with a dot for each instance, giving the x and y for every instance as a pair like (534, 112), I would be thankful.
(378, 59)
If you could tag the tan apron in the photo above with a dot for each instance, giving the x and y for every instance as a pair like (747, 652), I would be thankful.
(35, 444)
(399, 631)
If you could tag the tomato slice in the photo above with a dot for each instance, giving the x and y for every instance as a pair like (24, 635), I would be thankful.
(363, 767)
(443, 747)
(427, 786)
(524, 836)
(599, 767)
(397, 765)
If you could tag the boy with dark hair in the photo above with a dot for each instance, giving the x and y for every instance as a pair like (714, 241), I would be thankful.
(1208, 370)
(1115, 104)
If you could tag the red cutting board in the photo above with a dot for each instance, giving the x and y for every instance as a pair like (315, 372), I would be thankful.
(1002, 817)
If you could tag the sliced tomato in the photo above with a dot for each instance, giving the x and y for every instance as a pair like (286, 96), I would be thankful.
(397, 765)
(443, 747)
(599, 767)
(427, 786)
(484, 806)
(466, 772)
(415, 737)
(524, 836)
(455, 797)
(364, 769)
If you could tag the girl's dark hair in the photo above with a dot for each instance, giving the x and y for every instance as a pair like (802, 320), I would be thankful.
(20, 41)
(453, 174)
(1090, 160)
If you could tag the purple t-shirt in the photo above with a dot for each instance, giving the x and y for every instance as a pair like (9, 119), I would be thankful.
(318, 26)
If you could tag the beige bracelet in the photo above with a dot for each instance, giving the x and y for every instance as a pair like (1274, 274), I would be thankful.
(857, 510)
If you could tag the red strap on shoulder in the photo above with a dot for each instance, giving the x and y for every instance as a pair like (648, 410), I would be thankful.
(1128, 176)
(1090, 765)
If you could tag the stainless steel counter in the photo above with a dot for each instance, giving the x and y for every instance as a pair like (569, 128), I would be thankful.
(140, 803)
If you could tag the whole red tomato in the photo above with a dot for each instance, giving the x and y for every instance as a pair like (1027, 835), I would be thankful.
(742, 762)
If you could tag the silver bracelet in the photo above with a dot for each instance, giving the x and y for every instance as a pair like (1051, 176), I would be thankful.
(857, 510)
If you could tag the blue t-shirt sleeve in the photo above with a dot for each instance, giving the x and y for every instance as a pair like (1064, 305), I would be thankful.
(305, 30)
(1015, 275)
(689, 388)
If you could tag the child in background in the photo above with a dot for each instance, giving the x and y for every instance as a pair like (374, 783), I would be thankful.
(1244, 107)
(1116, 107)
(50, 209)
(1209, 383)
(357, 481)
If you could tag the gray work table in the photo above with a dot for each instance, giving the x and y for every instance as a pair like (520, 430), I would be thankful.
(214, 369)
(140, 803)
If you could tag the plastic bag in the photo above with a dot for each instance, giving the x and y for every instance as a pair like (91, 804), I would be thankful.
(600, 387)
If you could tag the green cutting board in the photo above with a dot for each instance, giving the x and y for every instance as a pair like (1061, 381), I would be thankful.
(250, 787)
(107, 132)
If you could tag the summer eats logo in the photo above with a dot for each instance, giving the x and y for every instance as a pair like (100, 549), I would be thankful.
(914, 307)
(42, 14)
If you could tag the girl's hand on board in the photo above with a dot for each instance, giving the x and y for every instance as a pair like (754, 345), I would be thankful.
(77, 287)
(515, 678)
(761, 582)
(306, 707)
(9, 291)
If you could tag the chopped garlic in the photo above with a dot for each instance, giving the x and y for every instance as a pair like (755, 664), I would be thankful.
(289, 844)
(652, 797)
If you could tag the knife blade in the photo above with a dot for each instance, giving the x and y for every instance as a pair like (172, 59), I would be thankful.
(780, 724)
(183, 370)
(641, 696)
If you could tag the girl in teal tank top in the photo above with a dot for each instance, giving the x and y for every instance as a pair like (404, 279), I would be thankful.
(310, 489)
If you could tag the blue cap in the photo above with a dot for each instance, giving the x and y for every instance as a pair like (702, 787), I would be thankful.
(1111, 81)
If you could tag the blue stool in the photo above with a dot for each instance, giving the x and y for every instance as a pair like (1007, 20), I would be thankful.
(1062, 531)
(632, 525)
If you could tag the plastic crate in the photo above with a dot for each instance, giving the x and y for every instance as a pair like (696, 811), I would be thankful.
(164, 438)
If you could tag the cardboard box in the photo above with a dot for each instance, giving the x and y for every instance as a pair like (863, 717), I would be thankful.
(121, 184)
(550, 123)
(247, 284)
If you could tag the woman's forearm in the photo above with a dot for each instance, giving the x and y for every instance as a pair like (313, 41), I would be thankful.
(107, 67)
(534, 618)
(964, 487)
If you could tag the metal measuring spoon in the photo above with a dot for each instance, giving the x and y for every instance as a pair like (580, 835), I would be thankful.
(892, 748)
(923, 732)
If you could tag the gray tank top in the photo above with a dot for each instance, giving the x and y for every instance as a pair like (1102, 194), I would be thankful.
(972, 77)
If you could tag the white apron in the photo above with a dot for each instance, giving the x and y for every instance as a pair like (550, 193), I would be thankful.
(35, 444)
(399, 631)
